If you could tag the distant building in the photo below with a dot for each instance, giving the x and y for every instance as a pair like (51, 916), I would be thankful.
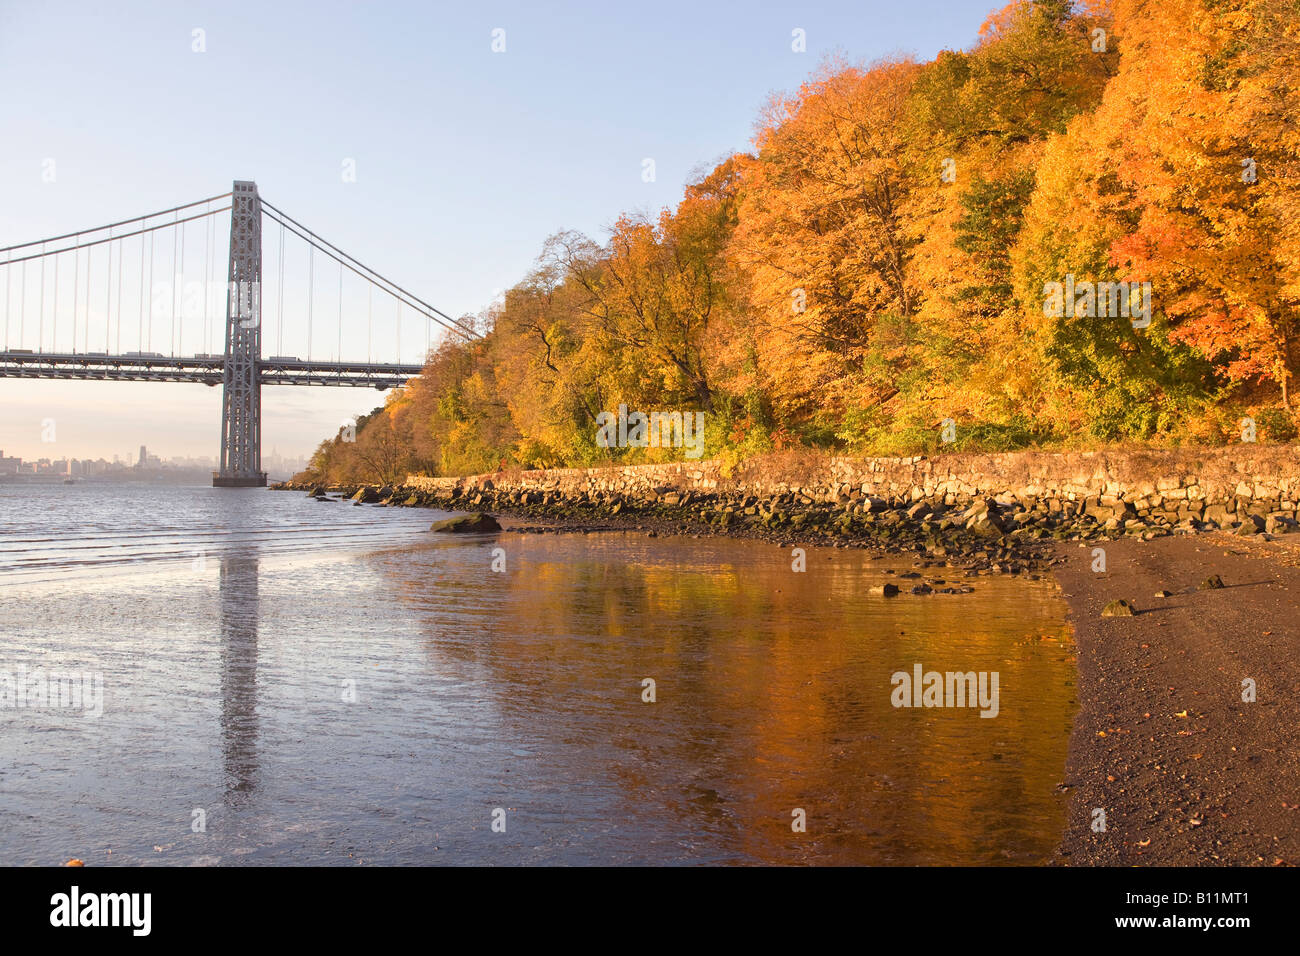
(10, 466)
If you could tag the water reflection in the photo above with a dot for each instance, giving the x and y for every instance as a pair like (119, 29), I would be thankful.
(772, 694)
(523, 690)
(238, 622)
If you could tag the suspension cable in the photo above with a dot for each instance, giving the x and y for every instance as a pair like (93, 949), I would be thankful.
(108, 299)
(113, 225)
(149, 327)
(279, 301)
(373, 276)
(180, 292)
(171, 335)
(121, 255)
(400, 296)
(85, 334)
(124, 235)
(76, 294)
(140, 336)
(40, 325)
(54, 316)
(141, 226)
(207, 284)
(311, 288)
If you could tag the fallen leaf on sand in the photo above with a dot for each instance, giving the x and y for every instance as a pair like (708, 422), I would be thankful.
(1181, 713)
(74, 862)
(1146, 842)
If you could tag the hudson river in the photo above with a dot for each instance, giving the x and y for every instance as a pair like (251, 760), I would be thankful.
(286, 681)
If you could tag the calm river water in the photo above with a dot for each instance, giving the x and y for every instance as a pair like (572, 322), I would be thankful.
(286, 681)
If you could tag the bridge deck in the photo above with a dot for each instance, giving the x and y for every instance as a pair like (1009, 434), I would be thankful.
(206, 369)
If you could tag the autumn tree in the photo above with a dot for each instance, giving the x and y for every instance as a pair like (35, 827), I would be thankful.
(822, 232)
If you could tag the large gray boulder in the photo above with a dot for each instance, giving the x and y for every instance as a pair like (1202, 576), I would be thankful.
(475, 523)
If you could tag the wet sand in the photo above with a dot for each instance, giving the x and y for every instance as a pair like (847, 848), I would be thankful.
(1221, 785)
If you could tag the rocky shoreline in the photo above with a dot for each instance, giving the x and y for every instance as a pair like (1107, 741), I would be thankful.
(1009, 533)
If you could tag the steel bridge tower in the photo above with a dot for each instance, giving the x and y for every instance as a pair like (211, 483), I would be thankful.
(241, 392)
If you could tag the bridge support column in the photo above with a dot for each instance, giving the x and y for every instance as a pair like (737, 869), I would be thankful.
(241, 393)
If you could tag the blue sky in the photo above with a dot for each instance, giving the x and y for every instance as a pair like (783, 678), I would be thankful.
(465, 159)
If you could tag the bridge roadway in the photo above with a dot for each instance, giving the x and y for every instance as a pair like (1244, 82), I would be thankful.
(208, 369)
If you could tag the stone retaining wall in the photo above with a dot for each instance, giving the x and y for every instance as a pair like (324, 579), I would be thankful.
(1246, 478)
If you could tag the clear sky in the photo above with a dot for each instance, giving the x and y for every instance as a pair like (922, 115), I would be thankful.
(465, 159)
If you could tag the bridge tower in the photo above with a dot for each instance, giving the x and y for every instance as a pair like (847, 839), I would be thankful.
(241, 392)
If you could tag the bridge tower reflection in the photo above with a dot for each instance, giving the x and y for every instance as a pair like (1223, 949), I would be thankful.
(239, 727)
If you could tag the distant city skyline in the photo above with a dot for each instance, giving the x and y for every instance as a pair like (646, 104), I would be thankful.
(175, 419)
(136, 456)
(143, 458)
(424, 141)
